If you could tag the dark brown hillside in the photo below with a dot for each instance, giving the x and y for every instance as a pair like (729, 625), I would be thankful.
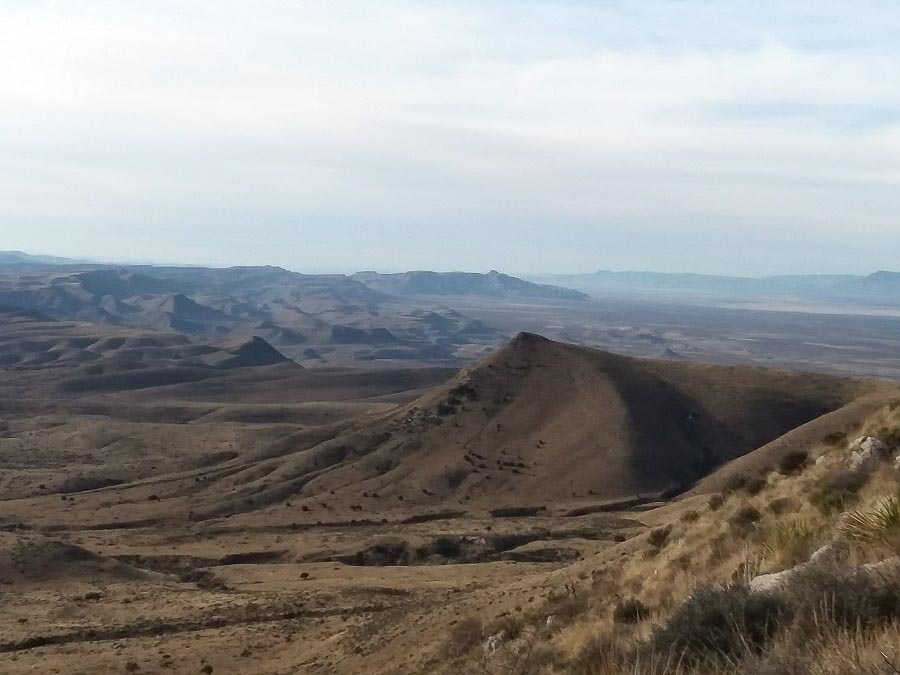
(543, 421)
(536, 423)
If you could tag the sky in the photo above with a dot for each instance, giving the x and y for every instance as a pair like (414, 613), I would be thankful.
(740, 137)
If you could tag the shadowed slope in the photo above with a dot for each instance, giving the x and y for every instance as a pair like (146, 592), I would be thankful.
(537, 422)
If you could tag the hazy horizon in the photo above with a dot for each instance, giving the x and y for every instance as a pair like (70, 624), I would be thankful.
(740, 139)
(536, 274)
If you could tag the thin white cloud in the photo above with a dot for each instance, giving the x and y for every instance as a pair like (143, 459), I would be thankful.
(399, 124)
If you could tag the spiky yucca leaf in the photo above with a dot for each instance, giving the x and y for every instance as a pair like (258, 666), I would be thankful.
(877, 524)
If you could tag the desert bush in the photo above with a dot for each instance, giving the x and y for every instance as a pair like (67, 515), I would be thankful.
(630, 610)
(783, 505)
(744, 517)
(540, 659)
(740, 482)
(719, 623)
(838, 489)
(727, 630)
(464, 636)
(793, 462)
(601, 654)
(889, 436)
(755, 485)
(734, 483)
(659, 536)
(855, 599)
(691, 516)
(715, 502)
(836, 439)
(566, 607)
(510, 626)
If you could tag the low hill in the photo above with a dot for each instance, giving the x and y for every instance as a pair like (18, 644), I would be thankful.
(537, 422)
(544, 421)
(494, 284)
(69, 357)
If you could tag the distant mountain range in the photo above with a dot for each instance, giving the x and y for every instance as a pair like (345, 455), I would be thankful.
(318, 319)
(494, 284)
(878, 289)
(8, 258)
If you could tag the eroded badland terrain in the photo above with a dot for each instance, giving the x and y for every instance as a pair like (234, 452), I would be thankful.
(250, 471)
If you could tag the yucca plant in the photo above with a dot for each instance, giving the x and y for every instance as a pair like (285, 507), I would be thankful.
(879, 524)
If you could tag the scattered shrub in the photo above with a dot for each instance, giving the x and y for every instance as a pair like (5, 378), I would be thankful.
(541, 659)
(464, 636)
(783, 505)
(630, 610)
(890, 437)
(600, 655)
(566, 607)
(854, 600)
(752, 485)
(715, 502)
(719, 622)
(691, 516)
(837, 490)
(682, 562)
(793, 462)
(836, 439)
(659, 536)
(734, 483)
(510, 626)
(744, 517)
(755, 485)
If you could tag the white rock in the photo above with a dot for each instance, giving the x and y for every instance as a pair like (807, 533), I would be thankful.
(863, 461)
(766, 583)
(886, 566)
(876, 447)
(822, 554)
(494, 642)
(871, 445)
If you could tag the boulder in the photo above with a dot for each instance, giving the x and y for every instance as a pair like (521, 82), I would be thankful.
(825, 555)
(865, 454)
(870, 445)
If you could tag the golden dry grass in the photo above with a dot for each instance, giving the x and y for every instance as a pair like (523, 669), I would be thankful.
(702, 547)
